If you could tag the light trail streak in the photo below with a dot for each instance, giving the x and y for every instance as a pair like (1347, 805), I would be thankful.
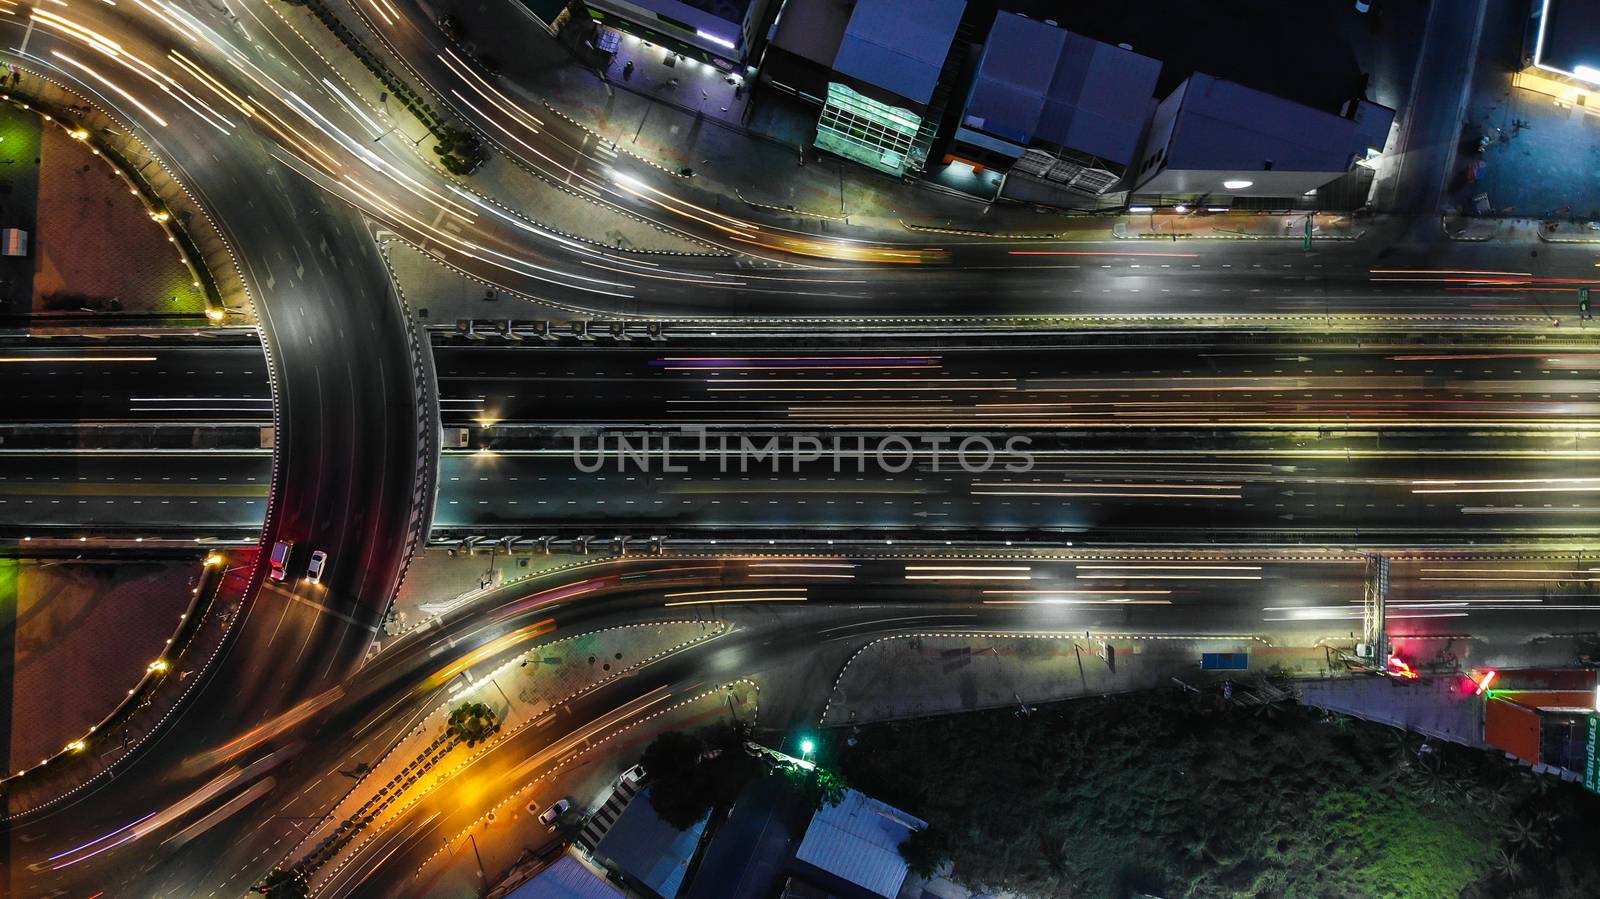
(1077, 592)
(712, 602)
(1168, 577)
(55, 359)
(113, 86)
(351, 104)
(488, 650)
(1101, 253)
(1088, 494)
(1077, 602)
(736, 591)
(969, 568)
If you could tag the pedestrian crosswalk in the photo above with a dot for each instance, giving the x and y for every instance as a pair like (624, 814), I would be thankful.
(600, 822)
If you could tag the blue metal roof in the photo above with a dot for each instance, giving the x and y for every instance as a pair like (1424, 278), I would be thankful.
(1225, 126)
(899, 45)
(859, 840)
(566, 879)
(648, 848)
(1037, 81)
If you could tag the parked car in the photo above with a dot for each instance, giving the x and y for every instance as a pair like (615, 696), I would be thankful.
(319, 560)
(549, 816)
(633, 775)
(279, 561)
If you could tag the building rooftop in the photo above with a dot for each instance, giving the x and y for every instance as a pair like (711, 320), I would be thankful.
(859, 840)
(899, 45)
(566, 879)
(1569, 36)
(649, 849)
(1226, 126)
(813, 29)
(1040, 82)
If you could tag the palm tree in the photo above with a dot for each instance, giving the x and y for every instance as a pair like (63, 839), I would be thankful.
(472, 723)
(1505, 865)
(1523, 834)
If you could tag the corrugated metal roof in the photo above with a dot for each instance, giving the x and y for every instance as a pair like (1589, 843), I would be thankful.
(1037, 81)
(566, 879)
(899, 45)
(648, 848)
(1224, 126)
(859, 840)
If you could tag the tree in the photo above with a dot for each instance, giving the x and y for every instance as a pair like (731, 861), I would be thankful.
(925, 850)
(672, 771)
(472, 723)
(1506, 865)
(282, 883)
(1523, 834)
(816, 786)
(459, 151)
(692, 774)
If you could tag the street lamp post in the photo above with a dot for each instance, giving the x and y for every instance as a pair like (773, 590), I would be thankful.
(481, 878)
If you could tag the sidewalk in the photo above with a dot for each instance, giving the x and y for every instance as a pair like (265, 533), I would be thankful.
(917, 675)
(440, 580)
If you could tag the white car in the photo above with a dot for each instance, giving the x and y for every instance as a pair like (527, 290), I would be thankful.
(549, 815)
(633, 775)
(319, 561)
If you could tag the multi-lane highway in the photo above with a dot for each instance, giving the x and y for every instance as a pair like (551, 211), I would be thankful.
(1156, 439)
(149, 382)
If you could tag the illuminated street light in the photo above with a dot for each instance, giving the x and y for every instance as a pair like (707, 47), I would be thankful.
(158, 666)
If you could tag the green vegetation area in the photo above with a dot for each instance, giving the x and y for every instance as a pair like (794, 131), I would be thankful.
(19, 138)
(1173, 794)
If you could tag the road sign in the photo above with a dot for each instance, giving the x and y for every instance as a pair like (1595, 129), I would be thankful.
(1583, 303)
(1306, 244)
(1591, 765)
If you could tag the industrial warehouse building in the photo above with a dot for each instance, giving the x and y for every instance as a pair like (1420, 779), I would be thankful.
(1057, 110)
(1213, 140)
(876, 67)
